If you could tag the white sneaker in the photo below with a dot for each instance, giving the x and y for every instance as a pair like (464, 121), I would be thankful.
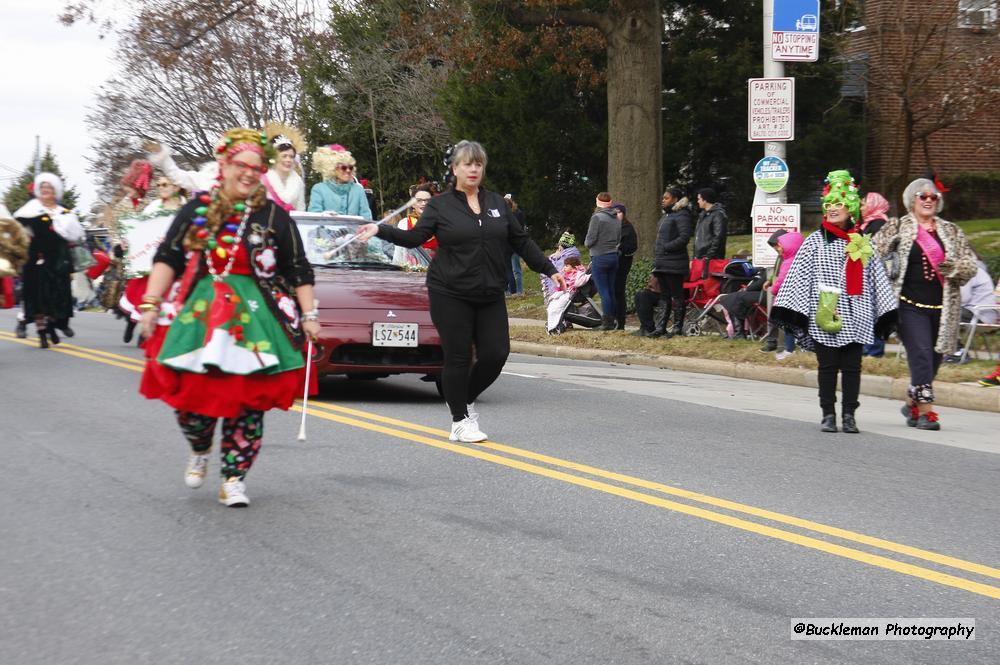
(781, 355)
(233, 493)
(467, 431)
(470, 410)
(194, 476)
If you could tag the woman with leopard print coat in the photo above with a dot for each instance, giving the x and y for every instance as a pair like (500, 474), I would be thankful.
(934, 260)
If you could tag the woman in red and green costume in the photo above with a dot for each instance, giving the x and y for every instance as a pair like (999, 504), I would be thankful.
(836, 298)
(226, 339)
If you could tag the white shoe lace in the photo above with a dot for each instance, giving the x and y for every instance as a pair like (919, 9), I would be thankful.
(197, 465)
(234, 489)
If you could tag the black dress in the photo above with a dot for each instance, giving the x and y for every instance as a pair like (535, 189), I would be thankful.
(47, 273)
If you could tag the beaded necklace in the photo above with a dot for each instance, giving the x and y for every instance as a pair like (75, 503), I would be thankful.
(236, 222)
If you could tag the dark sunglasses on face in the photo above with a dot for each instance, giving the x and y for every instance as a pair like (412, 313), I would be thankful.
(928, 196)
(345, 167)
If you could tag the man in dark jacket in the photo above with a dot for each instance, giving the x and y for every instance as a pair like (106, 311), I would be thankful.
(670, 258)
(710, 235)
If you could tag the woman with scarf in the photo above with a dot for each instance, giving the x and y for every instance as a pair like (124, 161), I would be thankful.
(874, 215)
(836, 298)
(934, 260)
(338, 193)
(48, 298)
(284, 183)
(230, 336)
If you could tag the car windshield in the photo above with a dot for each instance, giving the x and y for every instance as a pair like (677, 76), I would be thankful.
(331, 242)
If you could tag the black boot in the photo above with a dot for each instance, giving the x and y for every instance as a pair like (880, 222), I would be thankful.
(52, 333)
(829, 423)
(609, 322)
(738, 332)
(21, 329)
(679, 311)
(849, 425)
(129, 331)
(43, 338)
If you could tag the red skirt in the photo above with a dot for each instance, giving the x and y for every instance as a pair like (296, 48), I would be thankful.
(216, 394)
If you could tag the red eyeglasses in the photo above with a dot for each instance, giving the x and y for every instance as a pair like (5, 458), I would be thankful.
(928, 196)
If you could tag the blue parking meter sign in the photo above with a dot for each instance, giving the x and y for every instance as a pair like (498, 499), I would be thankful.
(795, 30)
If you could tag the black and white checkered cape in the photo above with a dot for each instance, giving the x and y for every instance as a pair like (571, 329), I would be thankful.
(822, 261)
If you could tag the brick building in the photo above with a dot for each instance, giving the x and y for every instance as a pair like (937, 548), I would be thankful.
(928, 73)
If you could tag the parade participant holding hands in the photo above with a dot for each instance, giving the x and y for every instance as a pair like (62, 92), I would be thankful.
(835, 298)
(234, 348)
(338, 192)
(284, 182)
(48, 297)
(935, 260)
(466, 280)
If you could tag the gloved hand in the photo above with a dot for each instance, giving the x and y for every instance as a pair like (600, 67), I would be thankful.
(826, 311)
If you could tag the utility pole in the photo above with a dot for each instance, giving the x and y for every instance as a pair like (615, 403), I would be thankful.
(38, 155)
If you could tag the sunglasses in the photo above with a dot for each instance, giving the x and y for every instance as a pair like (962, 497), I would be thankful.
(834, 205)
(243, 167)
(928, 196)
(345, 167)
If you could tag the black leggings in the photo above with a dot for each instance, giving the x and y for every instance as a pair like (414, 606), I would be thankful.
(621, 279)
(847, 360)
(462, 324)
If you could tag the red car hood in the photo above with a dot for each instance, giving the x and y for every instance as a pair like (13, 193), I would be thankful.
(371, 289)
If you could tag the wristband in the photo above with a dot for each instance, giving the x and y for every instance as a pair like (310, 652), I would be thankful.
(150, 298)
(148, 307)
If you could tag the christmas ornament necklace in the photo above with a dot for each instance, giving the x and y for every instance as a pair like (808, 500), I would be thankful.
(235, 227)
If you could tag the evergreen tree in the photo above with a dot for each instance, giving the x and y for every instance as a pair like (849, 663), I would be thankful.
(19, 192)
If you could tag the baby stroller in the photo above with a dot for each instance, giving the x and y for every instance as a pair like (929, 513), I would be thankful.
(707, 286)
(575, 306)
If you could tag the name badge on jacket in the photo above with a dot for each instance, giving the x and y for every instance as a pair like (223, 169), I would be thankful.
(494, 212)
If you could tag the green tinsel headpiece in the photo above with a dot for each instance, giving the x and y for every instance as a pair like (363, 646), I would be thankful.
(840, 187)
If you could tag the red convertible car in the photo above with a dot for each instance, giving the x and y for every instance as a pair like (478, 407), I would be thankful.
(373, 304)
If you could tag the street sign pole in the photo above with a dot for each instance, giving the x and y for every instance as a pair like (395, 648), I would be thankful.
(772, 69)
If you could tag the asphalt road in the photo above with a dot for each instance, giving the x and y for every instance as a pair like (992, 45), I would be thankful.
(617, 515)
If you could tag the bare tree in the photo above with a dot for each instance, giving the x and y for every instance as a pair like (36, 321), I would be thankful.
(929, 70)
(243, 72)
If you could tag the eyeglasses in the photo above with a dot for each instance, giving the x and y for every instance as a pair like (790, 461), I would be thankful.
(834, 205)
(928, 196)
(163, 184)
(345, 167)
(243, 167)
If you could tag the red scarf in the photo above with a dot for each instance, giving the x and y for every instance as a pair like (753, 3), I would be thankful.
(855, 270)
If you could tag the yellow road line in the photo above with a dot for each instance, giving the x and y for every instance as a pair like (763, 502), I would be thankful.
(83, 349)
(76, 354)
(720, 518)
(790, 520)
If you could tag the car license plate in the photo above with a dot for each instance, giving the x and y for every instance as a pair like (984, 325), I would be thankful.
(394, 334)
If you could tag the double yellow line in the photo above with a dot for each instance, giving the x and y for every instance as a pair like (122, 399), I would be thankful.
(635, 489)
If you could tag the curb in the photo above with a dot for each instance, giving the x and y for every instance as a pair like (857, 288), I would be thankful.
(945, 394)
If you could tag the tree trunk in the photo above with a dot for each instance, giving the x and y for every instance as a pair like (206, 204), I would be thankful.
(635, 131)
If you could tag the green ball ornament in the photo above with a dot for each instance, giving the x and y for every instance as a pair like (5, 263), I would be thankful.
(239, 207)
(228, 239)
(212, 243)
(201, 211)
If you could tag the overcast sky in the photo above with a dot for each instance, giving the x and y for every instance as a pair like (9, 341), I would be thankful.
(49, 75)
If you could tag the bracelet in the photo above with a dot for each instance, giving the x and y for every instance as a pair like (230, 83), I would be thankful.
(149, 297)
(148, 307)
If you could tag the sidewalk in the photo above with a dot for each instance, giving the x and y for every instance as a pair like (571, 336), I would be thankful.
(961, 395)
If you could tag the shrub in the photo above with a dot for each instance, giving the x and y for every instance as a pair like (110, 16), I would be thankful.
(972, 195)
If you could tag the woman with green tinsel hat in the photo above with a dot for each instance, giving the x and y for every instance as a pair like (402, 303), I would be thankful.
(837, 298)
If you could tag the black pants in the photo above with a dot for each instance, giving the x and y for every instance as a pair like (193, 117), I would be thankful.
(621, 277)
(847, 361)
(645, 306)
(918, 330)
(462, 324)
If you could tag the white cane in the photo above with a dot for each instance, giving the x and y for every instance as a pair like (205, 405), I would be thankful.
(305, 391)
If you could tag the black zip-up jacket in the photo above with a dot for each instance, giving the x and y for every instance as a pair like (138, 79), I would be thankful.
(473, 250)
(710, 233)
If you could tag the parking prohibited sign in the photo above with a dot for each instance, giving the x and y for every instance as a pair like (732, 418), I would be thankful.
(771, 112)
(795, 31)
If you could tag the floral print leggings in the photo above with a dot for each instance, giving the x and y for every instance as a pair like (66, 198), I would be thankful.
(241, 438)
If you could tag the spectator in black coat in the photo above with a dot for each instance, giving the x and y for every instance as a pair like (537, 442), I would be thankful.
(710, 235)
(670, 257)
(627, 247)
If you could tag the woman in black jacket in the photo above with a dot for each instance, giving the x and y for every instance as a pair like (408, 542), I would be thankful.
(670, 258)
(475, 231)
(627, 247)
